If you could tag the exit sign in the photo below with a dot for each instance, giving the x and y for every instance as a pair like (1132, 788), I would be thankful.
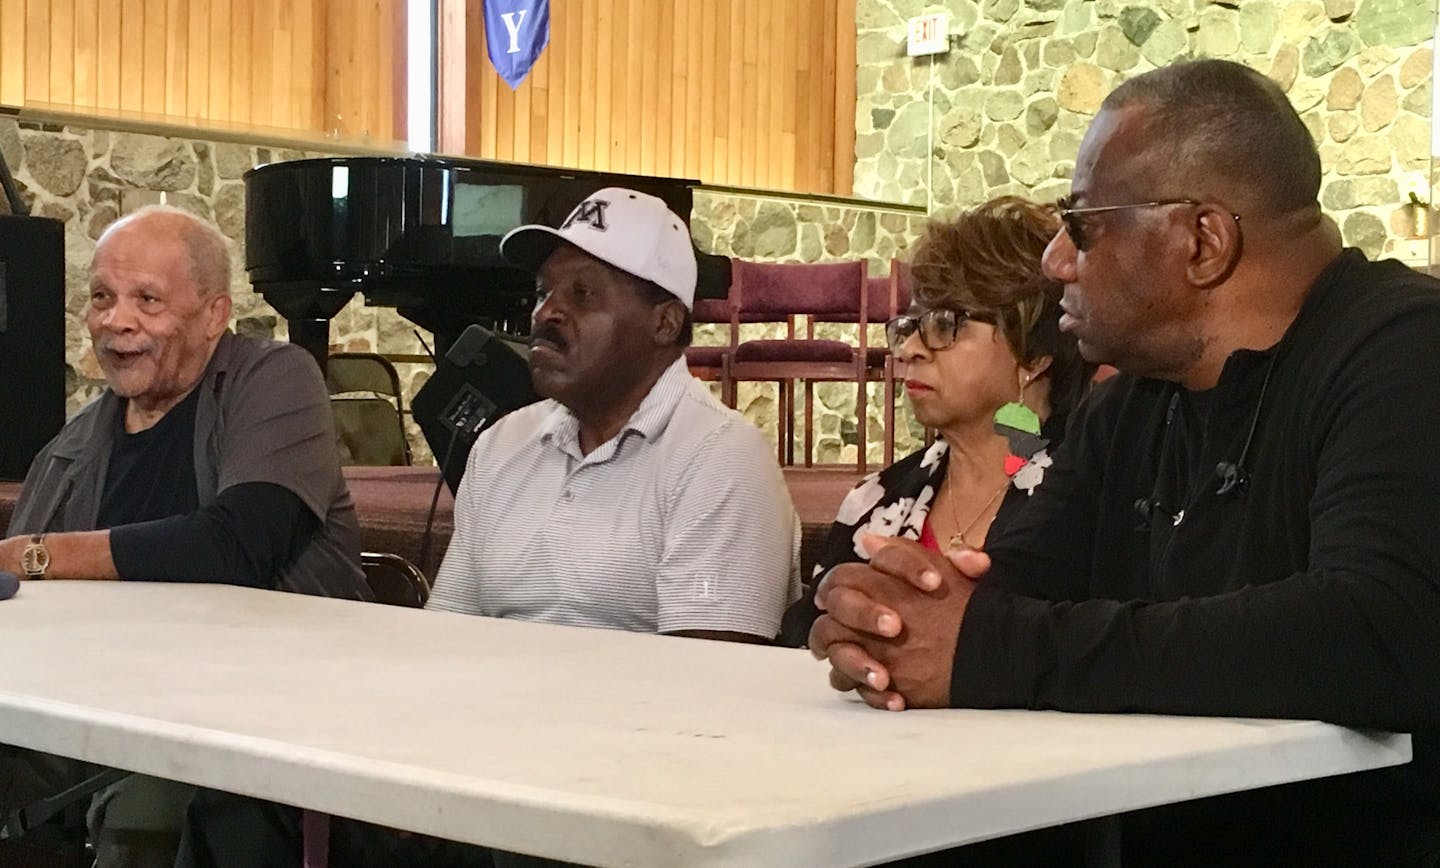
(929, 34)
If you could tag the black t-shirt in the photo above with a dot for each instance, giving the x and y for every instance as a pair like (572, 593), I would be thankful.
(152, 472)
(159, 532)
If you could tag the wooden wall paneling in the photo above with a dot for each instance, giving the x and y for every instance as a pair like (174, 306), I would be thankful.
(62, 52)
(829, 119)
(540, 80)
(843, 103)
(12, 52)
(720, 92)
(762, 122)
(197, 62)
(749, 99)
(152, 57)
(707, 97)
(486, 91)
(340, 89)
(389, 52)
(743, 92)
(632, 107)
(219, 61)
(37, 51)
(362, 67)
(552, 149)
(307, 63)
(734, 128)
(241, 60)
(177, 41)
(785, 83)
(400, 54)
(572, 14)
(452, 108)
(806, 146)
(283, 95)
(108, 34)
(675, 91)
(620, 79)
(670, 119)
(520, 100)
(656, 39)
(697, 137)
(390, 69)
(600, 73)
(130, 31)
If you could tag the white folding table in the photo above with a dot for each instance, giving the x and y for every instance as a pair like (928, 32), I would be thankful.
(585, 745)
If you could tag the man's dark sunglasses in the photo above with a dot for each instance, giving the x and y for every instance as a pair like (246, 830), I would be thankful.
(1075, 225)
(939, 327)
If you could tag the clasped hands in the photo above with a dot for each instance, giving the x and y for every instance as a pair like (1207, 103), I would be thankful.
(889, 627)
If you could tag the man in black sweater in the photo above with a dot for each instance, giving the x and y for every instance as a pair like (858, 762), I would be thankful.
(1241, 524)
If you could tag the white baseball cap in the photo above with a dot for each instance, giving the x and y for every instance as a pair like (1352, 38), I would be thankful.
(635, 232)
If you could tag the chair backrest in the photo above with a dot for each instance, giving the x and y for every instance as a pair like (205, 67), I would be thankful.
(369, 431)
(711, 310)
(368, 408)
(361, 372)
(878, 297)
(813, 289)
(395, 581)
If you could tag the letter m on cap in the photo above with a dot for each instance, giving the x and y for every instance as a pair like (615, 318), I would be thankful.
(591, 211)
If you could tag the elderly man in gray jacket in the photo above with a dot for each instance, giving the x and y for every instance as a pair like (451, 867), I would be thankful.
(210, 458)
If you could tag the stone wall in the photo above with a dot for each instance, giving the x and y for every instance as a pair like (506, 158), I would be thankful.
(88, 176)
(1012, 98)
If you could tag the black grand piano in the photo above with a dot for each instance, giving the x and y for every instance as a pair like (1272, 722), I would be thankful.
(420, 234)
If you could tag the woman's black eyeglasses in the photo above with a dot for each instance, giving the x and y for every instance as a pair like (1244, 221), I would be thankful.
(939, 327)
(1075, 225)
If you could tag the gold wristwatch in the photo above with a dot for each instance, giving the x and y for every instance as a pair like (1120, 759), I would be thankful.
(35, 559)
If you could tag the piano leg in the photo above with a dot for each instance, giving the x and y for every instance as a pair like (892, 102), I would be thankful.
(313, 334)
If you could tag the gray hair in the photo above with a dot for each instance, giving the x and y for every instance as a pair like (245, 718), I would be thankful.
(204, 245)
(1224, 121)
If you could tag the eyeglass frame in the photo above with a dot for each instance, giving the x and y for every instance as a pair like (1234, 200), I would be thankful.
(1076, 229)
(919, 319)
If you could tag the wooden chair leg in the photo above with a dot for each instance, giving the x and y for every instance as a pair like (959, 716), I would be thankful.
(809, 423)
(789, 422)
(861, 418)
(889, 413)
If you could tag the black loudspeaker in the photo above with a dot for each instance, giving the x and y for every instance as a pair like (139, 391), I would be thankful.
(32, 338)
(479, 379)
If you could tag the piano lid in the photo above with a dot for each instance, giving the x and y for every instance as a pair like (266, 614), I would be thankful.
(347, 218)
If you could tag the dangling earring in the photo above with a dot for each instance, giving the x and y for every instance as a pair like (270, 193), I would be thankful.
(1018, 416)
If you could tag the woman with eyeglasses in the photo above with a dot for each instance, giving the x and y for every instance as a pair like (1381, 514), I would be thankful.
(986, 366)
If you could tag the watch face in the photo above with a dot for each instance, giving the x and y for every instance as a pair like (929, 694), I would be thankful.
(35, 559)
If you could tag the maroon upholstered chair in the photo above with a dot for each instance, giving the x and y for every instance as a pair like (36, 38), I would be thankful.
(708, 362)
(782, 292)
(887, 296)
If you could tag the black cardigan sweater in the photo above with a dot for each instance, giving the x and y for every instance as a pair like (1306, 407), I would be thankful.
(1310, 591)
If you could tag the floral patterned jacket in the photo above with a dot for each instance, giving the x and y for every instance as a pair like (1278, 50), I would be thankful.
(896, 502)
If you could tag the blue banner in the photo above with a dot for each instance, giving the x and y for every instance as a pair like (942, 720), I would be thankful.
(516, 33)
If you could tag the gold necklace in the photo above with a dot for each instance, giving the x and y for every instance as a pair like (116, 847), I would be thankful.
(957, 540)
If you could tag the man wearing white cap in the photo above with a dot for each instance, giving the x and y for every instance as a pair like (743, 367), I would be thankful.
(631, 500)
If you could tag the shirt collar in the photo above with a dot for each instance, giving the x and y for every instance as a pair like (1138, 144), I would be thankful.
(562, 429)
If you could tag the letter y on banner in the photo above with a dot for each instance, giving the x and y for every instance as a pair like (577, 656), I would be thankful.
(516, 33)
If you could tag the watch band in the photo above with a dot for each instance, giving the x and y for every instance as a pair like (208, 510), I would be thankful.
(35, 559)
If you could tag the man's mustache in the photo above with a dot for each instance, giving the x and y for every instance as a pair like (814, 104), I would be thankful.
(550, 335)
(105, 345)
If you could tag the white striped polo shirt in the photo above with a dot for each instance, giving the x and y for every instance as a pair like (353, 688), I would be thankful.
(682, 521)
